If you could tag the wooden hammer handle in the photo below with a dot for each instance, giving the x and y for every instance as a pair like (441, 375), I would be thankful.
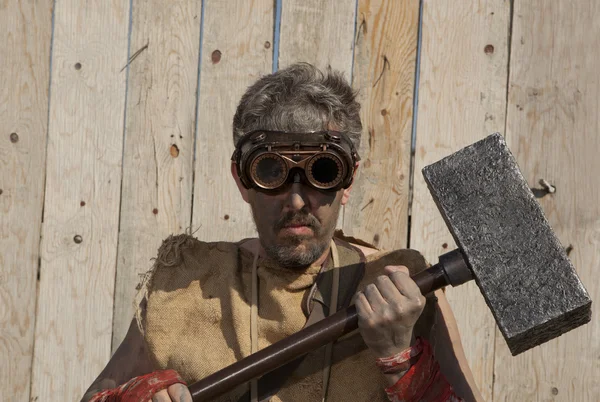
(300, 343)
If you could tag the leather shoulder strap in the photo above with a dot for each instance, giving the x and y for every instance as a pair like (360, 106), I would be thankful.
(352, 271)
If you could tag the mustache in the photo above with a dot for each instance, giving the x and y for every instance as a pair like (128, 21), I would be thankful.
(292, 218)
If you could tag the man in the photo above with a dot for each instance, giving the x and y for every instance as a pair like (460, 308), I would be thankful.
(204, 306)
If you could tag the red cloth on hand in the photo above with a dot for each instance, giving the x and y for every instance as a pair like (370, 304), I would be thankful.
(401, 361)
(423, 381)
(140, 389)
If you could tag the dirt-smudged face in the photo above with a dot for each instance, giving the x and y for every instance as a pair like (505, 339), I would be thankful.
(295, 223)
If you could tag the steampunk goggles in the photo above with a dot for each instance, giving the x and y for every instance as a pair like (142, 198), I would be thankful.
(269, 159)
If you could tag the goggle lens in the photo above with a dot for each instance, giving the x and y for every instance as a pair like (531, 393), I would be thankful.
(269, 171)
(325, 171)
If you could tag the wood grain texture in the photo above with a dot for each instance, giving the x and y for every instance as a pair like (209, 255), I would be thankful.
(237, 49)
(384, 76)
(462, 98)
(553, 125)
(79, 242)
(24, 76)
(318, 32)
(159, 141)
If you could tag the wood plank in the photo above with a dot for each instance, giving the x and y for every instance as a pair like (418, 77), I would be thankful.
(81, 213)
(462, 98)
(384, 75)
(24, 78)
(552, 128)
(318, 32)
(306, 38)
(237, 49)
(159, 141)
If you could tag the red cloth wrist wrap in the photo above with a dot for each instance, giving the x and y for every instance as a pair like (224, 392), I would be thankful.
(400, 361)
(423, 381)
(140, 389)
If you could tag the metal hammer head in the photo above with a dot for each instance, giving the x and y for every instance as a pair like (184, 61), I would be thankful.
(519, 264)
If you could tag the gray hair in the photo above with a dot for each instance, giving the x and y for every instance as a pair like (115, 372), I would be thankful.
(299, 98)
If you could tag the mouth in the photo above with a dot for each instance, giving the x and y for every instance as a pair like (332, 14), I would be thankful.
(297, 229)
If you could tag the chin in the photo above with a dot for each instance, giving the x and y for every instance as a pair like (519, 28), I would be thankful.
(297, 254)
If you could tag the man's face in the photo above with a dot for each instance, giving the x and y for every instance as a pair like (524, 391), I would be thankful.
(295, 223)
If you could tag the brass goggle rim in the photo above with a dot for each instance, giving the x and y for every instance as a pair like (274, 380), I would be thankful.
(283, 142)
(305, 164)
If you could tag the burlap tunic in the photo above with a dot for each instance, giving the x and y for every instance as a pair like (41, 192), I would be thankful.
(196, 318)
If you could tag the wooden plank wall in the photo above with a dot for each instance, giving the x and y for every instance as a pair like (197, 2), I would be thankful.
(24, 81)
(156, 194)
(384, 74)
(83, 192)
(121, 113)
(553, 128)
(305, 36)
(237, 49)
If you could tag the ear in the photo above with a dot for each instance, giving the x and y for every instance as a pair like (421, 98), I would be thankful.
(346, 193)
(243, 190)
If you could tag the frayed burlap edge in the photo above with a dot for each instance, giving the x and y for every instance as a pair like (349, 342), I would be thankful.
(169, 255)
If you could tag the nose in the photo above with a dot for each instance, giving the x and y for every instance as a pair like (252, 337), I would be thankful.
(297, 196)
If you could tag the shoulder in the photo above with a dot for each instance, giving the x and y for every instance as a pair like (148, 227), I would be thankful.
(367, 251)
(365, 247)
(182, 259)
(175, 249)
(377, 259)
(186, 252)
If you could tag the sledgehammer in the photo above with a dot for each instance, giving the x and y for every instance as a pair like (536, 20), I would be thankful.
(505, 244)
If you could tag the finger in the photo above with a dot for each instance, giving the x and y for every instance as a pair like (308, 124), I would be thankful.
(161, 396)
(362, 305)
(388, 289)
(374, 297)
(179, 393)
(390, 269)
(405, 285)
